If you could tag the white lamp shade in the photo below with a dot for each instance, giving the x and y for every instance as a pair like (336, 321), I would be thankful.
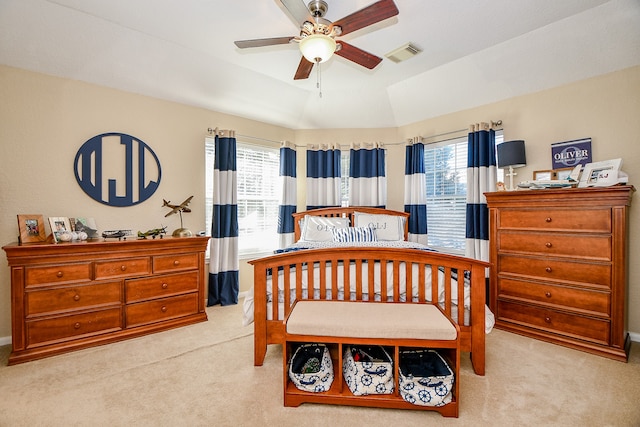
(317, 47)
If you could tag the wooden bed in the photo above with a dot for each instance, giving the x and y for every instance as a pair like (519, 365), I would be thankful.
(394, 268)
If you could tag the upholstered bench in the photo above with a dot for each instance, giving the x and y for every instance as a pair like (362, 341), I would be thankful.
(392, 325)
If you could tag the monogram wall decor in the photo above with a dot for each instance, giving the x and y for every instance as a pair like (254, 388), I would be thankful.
(117, 169)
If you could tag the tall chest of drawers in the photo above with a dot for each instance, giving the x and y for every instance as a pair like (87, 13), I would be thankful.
(559, 261)
(75, 295)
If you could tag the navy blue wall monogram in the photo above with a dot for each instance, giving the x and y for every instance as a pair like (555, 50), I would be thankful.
(92, 174)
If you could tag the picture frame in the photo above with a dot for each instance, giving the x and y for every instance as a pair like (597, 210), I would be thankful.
(563, 173)
(545, 175)
(58, 225)
(32, 229)
(600, 173)
(84, 224)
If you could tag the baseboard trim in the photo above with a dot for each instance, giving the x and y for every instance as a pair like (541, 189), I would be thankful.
(7, 340)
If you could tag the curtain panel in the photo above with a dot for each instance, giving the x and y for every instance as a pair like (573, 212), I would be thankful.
(415, 192)
(323, 177)
(367, 180)
(288, 203)
(481, 178)
(224, 262)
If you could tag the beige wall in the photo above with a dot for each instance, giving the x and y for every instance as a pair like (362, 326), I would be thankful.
(44, 120)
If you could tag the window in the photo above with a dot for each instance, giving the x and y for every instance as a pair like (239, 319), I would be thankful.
(259, 192)
(446, 178)
(344, 178)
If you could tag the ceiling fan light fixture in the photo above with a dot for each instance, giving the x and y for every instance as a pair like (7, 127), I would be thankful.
(317, 47)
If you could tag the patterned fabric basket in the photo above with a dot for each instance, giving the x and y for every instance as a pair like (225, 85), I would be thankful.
(311, 368)
(425, 378)
(368, 370)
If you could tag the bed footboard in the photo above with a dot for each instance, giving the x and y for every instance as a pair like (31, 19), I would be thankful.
(364, 274)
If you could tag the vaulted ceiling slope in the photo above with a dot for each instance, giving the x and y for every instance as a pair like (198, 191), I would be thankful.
(473, 53)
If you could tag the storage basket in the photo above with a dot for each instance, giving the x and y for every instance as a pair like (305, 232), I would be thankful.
(368, 370)
(311, 368)
(425, 378)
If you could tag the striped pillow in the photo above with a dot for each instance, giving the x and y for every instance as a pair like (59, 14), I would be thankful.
(354, 234)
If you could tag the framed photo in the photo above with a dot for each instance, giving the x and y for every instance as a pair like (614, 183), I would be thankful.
(563, 173)
(545, 175)
(83, 224)
(600, 173)
(31, 228)
(58, 225)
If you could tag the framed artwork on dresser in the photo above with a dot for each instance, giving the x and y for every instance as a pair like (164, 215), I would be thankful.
(59, 224)
(31, 229)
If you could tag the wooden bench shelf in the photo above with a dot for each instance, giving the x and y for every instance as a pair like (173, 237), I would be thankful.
(340, 394)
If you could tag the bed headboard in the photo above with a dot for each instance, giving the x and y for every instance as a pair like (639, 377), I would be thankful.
(347, 212)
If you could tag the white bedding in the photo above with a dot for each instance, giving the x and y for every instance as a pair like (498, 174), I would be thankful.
(248, 302)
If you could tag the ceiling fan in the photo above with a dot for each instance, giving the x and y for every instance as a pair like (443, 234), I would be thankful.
(317, 37)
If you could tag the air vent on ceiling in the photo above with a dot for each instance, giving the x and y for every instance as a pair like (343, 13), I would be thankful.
(403, 53)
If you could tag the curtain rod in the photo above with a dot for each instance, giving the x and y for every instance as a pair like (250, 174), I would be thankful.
(494, 125)
(214, 131)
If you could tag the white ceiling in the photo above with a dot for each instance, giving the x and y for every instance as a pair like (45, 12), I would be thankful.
(474, 52)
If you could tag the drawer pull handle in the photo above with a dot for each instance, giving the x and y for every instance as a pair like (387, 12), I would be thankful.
(165, 286)
(76, 297)
(77, 325)
(59, 274)
(548, 219)
(548, 270)
(547, 294)
(164, 309)
(548, 244)
(123, 267)
(547, 319)
(176, 263)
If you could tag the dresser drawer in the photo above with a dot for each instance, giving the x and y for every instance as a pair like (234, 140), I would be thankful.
(575, 299)
(67, 298)
(177, 262)
(596, 275)
(58, 329)
(66, 273)
(162, 309)
(568, 245)
(123, 268)
(583, 220)
(543, 319)
(160, 286)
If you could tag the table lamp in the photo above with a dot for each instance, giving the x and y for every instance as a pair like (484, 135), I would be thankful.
(511, 154)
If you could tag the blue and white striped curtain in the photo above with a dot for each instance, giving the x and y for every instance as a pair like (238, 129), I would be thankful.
(481, 177)
(323, 177)
(367, 180)
(415, 191)
(223, 263)
(288, 203)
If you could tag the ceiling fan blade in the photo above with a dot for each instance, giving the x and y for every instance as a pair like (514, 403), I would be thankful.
(377, 12)
(358, 55)
(243, 44)
(304, 69)
(298, 11)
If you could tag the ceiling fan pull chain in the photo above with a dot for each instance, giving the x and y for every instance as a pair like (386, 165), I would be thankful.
(319, 79)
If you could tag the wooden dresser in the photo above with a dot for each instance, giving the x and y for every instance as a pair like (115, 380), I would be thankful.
(74, 295)
(560, 266)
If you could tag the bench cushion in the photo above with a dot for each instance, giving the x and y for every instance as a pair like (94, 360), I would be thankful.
(369, 320)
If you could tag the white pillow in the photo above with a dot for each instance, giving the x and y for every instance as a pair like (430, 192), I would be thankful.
(354, 234)
(388, 227)
(320, 229)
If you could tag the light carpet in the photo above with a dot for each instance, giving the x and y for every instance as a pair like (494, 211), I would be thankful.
(203, 375)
